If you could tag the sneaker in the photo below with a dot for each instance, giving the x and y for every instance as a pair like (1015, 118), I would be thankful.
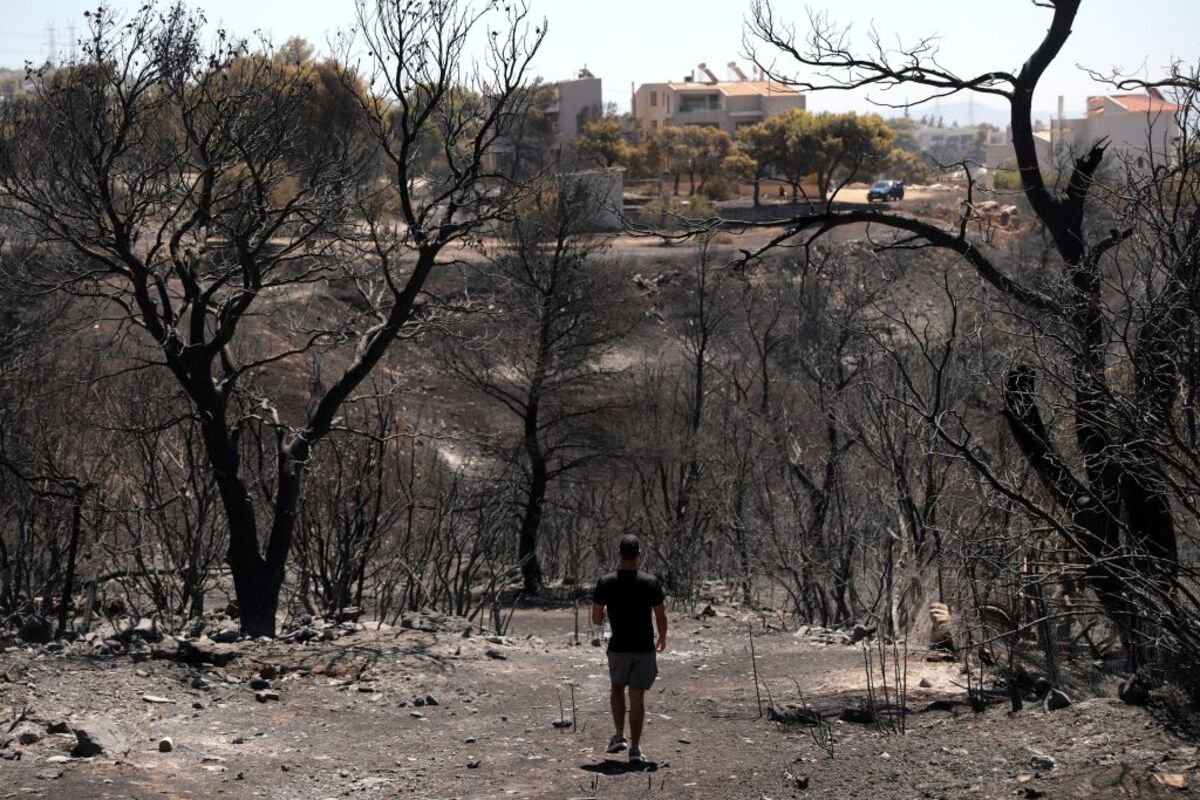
(616, 744)
(635, 755)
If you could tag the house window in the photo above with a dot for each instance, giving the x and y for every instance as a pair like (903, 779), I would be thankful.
(653, 99)
(699, 102)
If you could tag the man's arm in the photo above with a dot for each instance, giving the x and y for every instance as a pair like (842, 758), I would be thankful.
(660, 619)
(597, 614)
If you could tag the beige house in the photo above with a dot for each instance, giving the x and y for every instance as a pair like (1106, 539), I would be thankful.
(727, 105)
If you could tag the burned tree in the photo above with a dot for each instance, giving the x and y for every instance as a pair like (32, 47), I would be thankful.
(541, 357)
(1111, 488)
(176, 179)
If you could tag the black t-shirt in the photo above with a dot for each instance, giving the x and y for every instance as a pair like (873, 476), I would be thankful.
(630, 595)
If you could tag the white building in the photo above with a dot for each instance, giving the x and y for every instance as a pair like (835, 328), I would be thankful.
(727, 105)
(1136, 126)
(576, 101)
(952, 143)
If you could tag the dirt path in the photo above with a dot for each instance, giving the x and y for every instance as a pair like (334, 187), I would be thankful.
(347, 725)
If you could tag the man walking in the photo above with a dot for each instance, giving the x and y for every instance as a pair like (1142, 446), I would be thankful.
(630, 596)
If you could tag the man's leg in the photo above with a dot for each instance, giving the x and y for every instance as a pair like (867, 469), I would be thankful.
(617, 700)
(637, 715)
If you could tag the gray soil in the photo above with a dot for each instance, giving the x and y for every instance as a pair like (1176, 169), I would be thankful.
(346, 724)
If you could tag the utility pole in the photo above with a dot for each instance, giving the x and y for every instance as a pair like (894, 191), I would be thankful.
(52, 44)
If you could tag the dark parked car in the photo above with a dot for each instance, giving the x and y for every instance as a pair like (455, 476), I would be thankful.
(885, 190)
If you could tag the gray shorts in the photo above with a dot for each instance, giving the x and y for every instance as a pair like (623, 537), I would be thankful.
(635, 670)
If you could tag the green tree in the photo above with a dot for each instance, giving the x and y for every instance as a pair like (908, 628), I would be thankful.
(646, 155)
(904, 133)
(847, 146)
(706, 149)
(759, 145)
(907, 166)
(830, 147)
(603, 142)
(794, 150)
(676, 153)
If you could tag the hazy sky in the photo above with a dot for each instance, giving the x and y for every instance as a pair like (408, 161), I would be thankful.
(625, 41)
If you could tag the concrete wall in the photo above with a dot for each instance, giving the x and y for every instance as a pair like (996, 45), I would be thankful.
(605, 190)
(776, 103)
(574, 98)
(647, 114)
(1131, 134)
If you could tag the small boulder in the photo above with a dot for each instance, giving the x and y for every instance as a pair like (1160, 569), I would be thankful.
(430, 700)
(166, 744)
(96, 736)
(258, 684)
(1042, 762)
(58, 726)
(27, 733)
(1133, 691)
(1056, 699)
(156, 699)
(226, 636)
(35, 629)
(1173, 780)
(266, 696)
(147, 630)
(859, 633)
(799, 782)
(861, 715)
(926, 683)
(496, 654)
(940, 633)
(301, 635)
(205, 651)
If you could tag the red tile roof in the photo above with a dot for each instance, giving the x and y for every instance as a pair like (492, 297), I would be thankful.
(764, 88)
(1142, 103)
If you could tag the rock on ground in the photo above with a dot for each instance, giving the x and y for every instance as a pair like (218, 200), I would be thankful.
(96, 736)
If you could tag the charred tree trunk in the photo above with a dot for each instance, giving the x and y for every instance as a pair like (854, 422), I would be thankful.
(531, 522)
(535, 495)
(64, 604)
